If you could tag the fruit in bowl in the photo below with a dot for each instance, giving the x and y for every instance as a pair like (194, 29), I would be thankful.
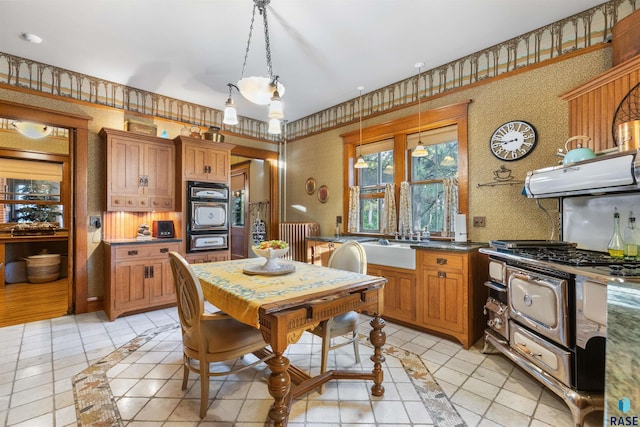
(271, 248)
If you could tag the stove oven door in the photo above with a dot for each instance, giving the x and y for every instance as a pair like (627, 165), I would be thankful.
(551, 358)
(540, 303)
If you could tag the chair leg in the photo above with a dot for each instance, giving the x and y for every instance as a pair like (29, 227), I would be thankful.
(326, 343)
(204, 387)
(356, 346)
(185, 371)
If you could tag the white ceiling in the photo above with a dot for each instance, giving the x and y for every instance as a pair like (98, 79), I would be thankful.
(321, 49)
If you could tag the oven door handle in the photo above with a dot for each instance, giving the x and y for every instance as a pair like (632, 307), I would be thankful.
(523, 347)
(495, 287)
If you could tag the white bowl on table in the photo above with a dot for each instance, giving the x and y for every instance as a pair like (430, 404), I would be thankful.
(271, 256)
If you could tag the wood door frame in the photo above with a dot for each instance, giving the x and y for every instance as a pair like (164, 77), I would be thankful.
(78, 126)
(271, 157)
(242, 168)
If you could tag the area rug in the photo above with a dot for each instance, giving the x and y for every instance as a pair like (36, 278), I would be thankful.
(96, 405)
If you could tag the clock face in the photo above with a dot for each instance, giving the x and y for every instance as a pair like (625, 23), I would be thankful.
(513, 140)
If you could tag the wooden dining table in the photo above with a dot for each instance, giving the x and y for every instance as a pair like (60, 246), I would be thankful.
(285, 305)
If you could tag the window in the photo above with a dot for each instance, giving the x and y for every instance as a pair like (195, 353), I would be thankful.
(372, 180)
(428, 178)
(438, 183)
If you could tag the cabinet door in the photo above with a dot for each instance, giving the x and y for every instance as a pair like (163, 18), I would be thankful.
(322, 252)
(218, 165)
(161, 282)
(195, 162)
(159, 172)
(126, 166)
(443, 299)
(131, 291)
(400, 299)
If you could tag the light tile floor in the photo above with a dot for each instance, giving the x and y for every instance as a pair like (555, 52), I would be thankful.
(39, 359)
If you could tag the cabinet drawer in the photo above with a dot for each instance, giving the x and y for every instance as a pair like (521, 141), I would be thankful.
(165, 203)
(132, 252)
(442, 260)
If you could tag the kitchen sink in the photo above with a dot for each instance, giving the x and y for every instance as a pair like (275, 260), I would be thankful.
(390, 254)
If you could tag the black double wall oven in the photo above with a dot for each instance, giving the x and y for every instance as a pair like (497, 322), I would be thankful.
(207, 216)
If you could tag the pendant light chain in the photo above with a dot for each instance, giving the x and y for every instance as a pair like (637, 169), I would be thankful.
(263, 11)
(419, 109)
(246, 53)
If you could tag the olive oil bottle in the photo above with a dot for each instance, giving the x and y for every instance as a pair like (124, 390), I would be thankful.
(631, 239)
(616, 244)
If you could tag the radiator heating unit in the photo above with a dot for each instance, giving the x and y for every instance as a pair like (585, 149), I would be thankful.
(294, 233)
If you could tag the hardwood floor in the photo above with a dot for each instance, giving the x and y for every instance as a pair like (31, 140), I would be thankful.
(17, 301)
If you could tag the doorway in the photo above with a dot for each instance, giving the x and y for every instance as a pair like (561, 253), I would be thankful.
(240, 175)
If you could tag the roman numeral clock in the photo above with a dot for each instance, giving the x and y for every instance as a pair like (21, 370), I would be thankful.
(513, 140)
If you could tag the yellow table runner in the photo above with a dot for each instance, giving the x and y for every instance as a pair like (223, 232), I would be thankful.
(241, 295)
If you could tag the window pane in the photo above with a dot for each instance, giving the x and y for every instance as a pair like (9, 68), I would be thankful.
(369, 215)
(442, 162)
(427, 206)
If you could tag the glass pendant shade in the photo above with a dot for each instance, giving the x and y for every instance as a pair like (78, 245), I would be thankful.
(274, 127)
(32, 130)
(275, 108)
(259, 90)
(419, 151)
(230, 113)
(360, 164)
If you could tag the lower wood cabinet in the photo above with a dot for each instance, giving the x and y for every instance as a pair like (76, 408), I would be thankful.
(399, 292)
(452, 294)
(138, 277)
(200, 257)
(444, 295)
(319, 252)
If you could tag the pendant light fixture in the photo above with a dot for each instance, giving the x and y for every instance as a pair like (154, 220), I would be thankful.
(360, 163)
(419, 151)
(32, 130)
(258, 89)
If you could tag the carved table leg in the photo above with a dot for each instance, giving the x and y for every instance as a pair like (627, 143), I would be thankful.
(378, 337)
(279, 387)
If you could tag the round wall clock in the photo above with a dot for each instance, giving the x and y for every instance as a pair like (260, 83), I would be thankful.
(513, 140)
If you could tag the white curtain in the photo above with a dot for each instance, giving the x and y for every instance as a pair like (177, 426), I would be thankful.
(450, 205)
(354, 209)
(404, 219)
(389, 223)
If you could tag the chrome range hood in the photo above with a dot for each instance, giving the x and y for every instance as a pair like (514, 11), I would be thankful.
(611, 173)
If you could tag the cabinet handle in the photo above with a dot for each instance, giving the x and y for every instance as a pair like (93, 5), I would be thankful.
(441, 261)
(442, 274)
(134, 252)
(146, 272)
(143, 181)
(151, 271)
(164, 250)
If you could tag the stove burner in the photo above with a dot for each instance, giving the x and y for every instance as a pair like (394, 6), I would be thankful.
(624, 270)
(576, 257)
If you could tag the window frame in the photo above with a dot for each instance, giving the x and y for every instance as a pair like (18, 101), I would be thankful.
(399, 129)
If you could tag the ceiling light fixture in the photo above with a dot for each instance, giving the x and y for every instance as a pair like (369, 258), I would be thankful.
(32, 130)
(360, 164)
(259, 90)
(419, 151)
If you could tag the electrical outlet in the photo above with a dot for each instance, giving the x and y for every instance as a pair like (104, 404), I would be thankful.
(479, 221)
(94, 221)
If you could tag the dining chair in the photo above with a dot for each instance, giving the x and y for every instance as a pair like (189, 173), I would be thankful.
(349, 256)
(208, 337)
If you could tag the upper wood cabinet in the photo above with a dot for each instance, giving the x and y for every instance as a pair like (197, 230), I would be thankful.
(140, 172)
(593, 105)
(203, 160)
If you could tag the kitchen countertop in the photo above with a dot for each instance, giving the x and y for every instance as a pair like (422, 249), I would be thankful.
(134, 241)
(443, 245)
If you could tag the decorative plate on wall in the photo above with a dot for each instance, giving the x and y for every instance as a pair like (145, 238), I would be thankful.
(310, 186)
(323, 193)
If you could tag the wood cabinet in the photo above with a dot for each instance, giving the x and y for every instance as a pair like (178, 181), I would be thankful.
(319, 252)
(140, 172)
(204, 160)
(400, 291)
(212, 256)
(451, 293)
(138, 277)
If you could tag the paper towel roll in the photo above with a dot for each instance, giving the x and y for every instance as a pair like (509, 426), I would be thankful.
(460, 228)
